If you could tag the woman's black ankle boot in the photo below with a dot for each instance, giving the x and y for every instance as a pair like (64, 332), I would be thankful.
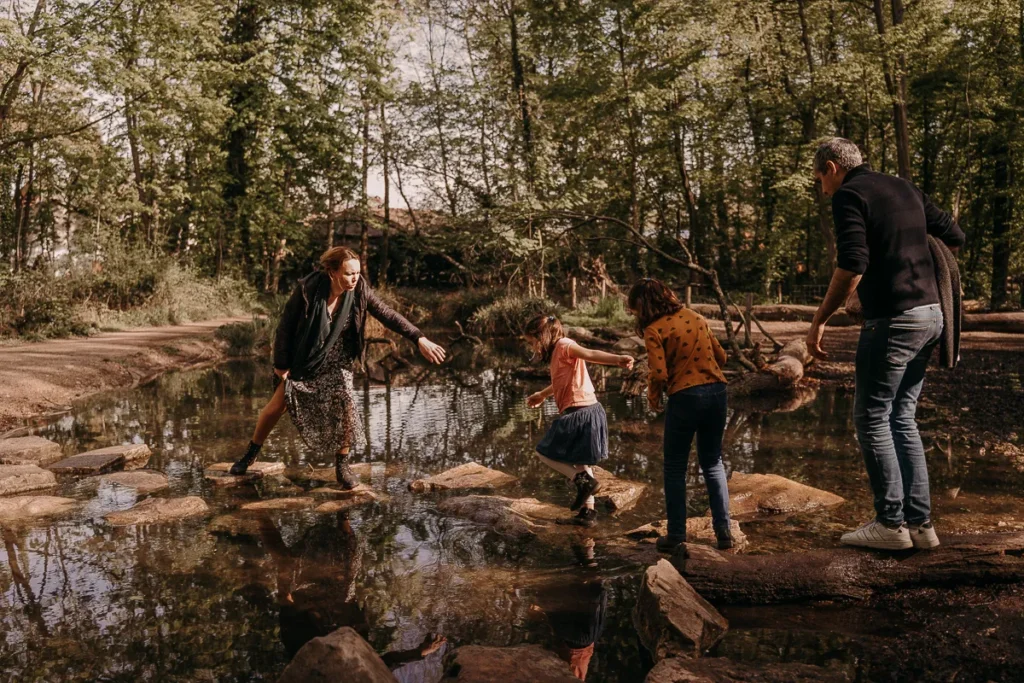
(344, 474)
(242, 466)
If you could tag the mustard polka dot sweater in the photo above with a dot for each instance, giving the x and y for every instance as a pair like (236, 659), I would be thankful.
(682, 352)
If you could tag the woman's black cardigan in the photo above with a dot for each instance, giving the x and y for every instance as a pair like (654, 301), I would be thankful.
(300, 305)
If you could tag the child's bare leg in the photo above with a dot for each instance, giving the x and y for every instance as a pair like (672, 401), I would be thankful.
(563, 468)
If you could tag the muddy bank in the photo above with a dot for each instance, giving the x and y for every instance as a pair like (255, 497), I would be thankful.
(44, 378)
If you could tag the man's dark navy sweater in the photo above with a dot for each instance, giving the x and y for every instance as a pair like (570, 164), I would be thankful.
(882, 227)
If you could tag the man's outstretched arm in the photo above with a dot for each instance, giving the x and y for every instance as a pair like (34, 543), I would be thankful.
(843, 283)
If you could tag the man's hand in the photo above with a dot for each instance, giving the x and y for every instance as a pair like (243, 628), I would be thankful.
(814, 341)
(283, 374)
(431, 351)
(535, 400)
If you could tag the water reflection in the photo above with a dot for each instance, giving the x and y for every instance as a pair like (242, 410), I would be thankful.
(231, 597)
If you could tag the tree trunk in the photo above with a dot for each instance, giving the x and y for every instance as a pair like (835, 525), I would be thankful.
(849, 573)
(385, 133)
(785, 372)
(519, 87)
(896, 85)
(364, 211)
(10, 89)
(1001, 219)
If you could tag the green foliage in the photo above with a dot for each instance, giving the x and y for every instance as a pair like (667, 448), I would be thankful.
(607, 312)
(508, 315)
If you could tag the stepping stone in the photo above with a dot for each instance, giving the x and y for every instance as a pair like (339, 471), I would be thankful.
(765, 495)
(468, 476)
(156, 510)
(217, 474)
(698, 530)
(519, 664)
(341, 655)
(29, 450)
(617, 494)
(364, 470)
(280, 504)
(720, 670)
(22, 507)
(21, 478)
(142, 482)
(344, 500)
(104, 460)
(514, 517)
(671, 619)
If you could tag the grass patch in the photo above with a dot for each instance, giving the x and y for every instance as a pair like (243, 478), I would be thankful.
(607, 312)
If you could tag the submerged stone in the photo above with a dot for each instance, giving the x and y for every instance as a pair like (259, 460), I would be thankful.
(671, 619)
(142, 482)
(754, 495)
(280, 504)
(23, 507)
(343, 500)
(722, 670)
(617, 494)
(339, 656)
(515, 517)
(520, 664)
(156, 510)
(29, 450)
(22, 478)
(364, 470)
(218, 473)
(469, 476)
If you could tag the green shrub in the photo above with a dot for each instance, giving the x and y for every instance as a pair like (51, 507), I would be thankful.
(508, 315)
(607, 312)
(445, 308)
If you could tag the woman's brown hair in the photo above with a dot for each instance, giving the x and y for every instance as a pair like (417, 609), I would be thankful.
(651, 299)
(548, 330)
(332, 259)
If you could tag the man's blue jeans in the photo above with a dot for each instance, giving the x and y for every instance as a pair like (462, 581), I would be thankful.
(698, 411)
(891, 358)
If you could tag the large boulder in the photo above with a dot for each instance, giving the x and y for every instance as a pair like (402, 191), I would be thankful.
(29, 450)
(617, 494)
(671, 619)
(157, 510)
(760, 495)
(143, 482)
(24, 507)
(465, 477)
(339, 656)
(521, 664)
(22, 478)
(721, 670)
(514, 517)
(101, 460)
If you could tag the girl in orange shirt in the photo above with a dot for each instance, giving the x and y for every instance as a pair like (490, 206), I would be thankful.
(578, 438)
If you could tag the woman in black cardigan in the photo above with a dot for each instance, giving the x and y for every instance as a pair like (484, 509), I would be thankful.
(320, 337)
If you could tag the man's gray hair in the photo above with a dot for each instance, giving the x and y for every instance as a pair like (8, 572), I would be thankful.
(842, 152)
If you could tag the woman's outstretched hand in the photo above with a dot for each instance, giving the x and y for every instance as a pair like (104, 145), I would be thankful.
(431, 351)
(625, 362)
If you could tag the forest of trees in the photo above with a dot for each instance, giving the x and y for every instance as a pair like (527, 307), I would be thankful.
(522, 141)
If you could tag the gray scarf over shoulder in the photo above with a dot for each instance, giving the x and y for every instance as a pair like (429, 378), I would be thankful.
(947, 277)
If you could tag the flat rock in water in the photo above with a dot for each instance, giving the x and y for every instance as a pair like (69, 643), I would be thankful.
(343, 500)
(363, 470)
(217, 474)
(722, 670)
(29, 450)
(760, 495)
(515, 517)
(156, 510)
(698, 530)
(88, 463)
(23, 507)
(280, 504)
(464, 477)
(671, 619)
(520, 664)
(136, 455)
(142, 482)
(339, 656)
(22, 478)
(617, 494)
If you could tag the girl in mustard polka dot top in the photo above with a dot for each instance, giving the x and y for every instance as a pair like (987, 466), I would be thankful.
(685, 361)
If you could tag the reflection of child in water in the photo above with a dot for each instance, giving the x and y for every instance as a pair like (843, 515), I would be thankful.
(576, 616)
(314, 588)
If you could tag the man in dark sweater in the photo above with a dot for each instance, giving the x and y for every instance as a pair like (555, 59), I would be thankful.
(882, 225)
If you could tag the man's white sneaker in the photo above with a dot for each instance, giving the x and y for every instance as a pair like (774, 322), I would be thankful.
(923, 536)
(877, 535)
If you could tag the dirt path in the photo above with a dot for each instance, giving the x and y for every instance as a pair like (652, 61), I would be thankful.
(38, 379)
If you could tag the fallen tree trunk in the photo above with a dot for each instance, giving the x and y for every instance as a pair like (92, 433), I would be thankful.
(785, 372)
(850, 573)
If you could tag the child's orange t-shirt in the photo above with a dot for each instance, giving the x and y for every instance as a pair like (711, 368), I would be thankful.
(569, 378)
(682, 352)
